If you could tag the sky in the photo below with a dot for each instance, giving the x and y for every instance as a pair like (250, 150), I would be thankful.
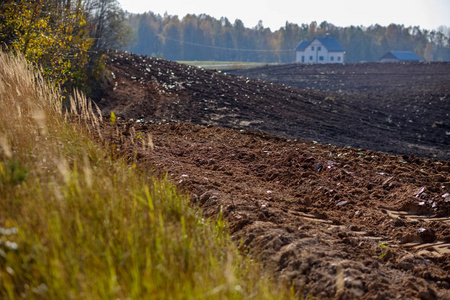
(428, 14)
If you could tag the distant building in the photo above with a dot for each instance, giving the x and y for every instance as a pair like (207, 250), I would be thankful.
(396, 56)
(320, 50)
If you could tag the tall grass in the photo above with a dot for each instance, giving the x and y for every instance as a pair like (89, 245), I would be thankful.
(76, 225)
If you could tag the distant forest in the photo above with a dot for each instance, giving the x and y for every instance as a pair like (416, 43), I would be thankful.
(202, 37)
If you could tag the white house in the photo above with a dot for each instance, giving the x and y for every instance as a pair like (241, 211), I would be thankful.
(320, 50)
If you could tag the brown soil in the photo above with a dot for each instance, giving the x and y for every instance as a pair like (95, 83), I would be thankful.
(335, 222)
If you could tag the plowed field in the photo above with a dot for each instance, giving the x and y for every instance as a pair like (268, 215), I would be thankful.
(282, 165)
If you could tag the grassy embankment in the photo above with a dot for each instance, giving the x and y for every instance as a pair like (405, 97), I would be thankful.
(75, 223)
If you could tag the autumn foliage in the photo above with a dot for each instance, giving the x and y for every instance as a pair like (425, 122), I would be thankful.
(61, 36)
(48, 33)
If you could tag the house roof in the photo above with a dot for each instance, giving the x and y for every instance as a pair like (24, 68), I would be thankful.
(402, 55)
(329, 43)
(302, 46)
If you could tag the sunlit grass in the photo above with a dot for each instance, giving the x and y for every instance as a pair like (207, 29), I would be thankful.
(76, 224)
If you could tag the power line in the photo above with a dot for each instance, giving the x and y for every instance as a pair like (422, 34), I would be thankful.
(221, 48)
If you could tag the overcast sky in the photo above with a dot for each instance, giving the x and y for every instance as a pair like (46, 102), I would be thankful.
(428, 14)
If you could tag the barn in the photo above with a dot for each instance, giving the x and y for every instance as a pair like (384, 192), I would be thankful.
(397, 56)
(320, 50)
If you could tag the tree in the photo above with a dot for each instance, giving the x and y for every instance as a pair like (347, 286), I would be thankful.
(206, 38)
(190, 37)
(147, 35)
(428, 52)
(49, 33)
(59, 35)
(107, 24)
(171, 36)
(289, 39)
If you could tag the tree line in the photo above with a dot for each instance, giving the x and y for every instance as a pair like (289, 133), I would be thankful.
(66, 38)
(202, 37)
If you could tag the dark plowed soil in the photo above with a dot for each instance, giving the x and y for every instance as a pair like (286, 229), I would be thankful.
(404, 106)
(410, 115)
(335, 222)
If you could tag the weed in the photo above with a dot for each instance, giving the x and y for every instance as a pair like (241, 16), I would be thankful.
(384, 249)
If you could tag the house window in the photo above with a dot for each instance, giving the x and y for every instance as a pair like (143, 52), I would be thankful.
(310, 58)
(321, 58)
(339, 58)
(332, 58)
(303, 58)
(312, 48)
(319, 48)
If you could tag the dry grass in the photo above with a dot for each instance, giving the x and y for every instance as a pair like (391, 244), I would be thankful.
(76, 224)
